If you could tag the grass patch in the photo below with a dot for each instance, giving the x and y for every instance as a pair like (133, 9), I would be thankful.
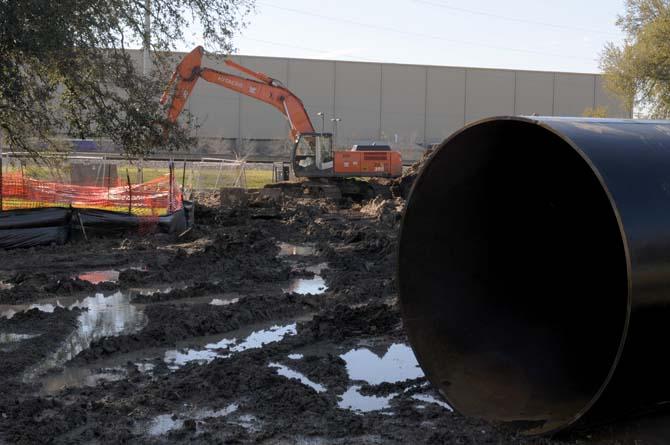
(203, 179)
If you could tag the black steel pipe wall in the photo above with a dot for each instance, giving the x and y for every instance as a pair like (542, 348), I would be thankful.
(534, 269)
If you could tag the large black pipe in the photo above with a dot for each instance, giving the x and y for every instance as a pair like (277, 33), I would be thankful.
(534, 270)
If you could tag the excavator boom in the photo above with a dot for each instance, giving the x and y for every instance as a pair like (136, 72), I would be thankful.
(265, 89)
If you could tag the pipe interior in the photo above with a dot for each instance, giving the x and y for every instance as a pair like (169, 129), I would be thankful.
(513, 276)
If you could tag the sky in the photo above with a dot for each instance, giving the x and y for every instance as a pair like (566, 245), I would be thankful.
(558, 35)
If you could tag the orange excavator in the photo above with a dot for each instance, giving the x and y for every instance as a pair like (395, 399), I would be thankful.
(313, 155)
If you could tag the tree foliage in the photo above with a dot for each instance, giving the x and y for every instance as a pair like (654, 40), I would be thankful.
(599, 111)
(65, 67)
(638, 71)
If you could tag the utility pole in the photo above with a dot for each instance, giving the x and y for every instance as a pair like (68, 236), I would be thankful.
(146, 68)
(146, 57)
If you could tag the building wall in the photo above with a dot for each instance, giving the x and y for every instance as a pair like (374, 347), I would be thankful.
(409, 106)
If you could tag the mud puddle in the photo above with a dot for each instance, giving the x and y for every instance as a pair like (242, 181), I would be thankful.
(101, 316)
(291, 374)
(116, 368)
(156, 289)
(234, 342)
(303, 286)
(430, 399)
(13, 338)
(106, 275)
(9, 310)
(395, 365)
(105, 370)
(99, 276)
(372, 366)
(353, 400)
(79, 377)
(223, 302)
(164, 423)
(309, 286)
(289, 250)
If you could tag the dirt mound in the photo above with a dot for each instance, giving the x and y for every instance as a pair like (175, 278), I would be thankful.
(402, 186)
(197, 290)
(133, 277)
(68, 285)
(386, 211)
(344, 322)
(329, 369)
(38, 333)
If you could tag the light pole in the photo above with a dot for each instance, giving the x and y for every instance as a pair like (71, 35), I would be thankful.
(335, 121)
(322, 115)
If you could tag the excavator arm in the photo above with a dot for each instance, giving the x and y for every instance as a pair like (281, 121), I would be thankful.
(264, 88)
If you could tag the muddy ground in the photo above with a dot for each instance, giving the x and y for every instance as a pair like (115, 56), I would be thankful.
(269, 322)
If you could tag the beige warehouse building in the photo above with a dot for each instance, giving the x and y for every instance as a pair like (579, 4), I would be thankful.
(407, 106)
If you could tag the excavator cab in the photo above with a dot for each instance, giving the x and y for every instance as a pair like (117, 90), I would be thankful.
(313, 155)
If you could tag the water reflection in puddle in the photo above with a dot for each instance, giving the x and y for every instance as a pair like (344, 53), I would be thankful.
(291, 374)
(103, 316)
(288, 249)
(228, 345)
(165, 423)
(15, 338)
(353, 400)
(220, 302)
(164, 288)
(146, 291)
(258, 339)
(430, 399)
(309, 286)
(108, 275)
(78, 377)
(99, 276)
(396, 365)
(8, 311)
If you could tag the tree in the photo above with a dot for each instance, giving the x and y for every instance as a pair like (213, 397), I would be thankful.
(638, 71)
(599, 111)
(65, 68)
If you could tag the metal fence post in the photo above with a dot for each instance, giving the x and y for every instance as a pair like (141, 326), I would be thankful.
(171, 169)
(130, 194)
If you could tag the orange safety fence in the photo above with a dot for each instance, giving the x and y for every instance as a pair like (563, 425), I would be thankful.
(152, 198)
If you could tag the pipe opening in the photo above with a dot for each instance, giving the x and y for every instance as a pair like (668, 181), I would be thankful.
(513, 276)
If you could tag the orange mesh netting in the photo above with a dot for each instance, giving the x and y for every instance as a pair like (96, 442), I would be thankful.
(151, 199)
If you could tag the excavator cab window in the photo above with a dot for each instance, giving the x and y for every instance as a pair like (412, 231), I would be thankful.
(306, 146)
(324, 150)
(313, 154)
